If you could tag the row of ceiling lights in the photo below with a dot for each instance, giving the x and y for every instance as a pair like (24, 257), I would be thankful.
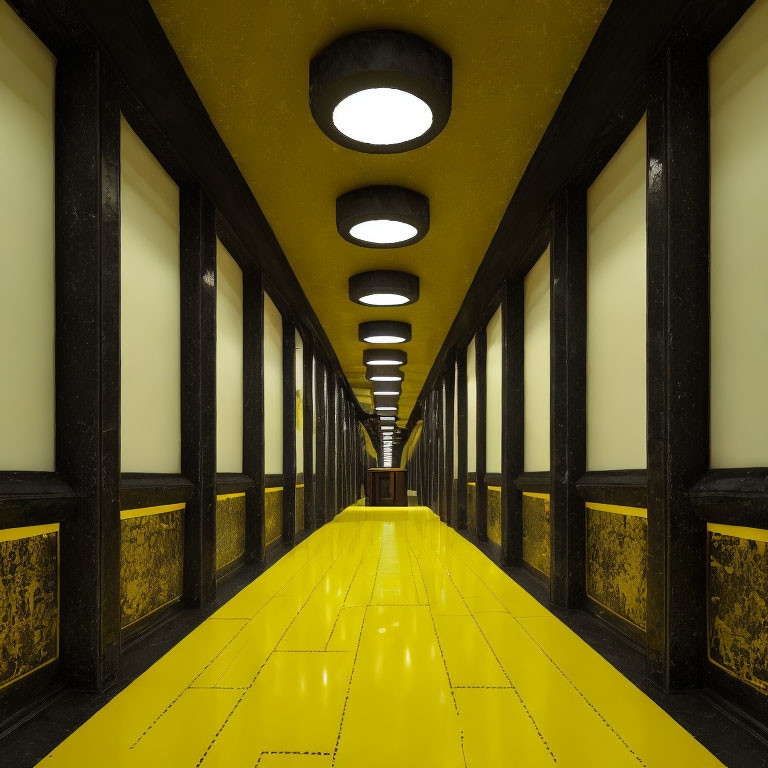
(382, 91)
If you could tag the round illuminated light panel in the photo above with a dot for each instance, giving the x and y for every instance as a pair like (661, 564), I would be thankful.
(384, 332)
(382, 217)
(380, 91)
(384, 357)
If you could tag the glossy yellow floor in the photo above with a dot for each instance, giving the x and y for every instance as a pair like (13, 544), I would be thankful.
(383, 640)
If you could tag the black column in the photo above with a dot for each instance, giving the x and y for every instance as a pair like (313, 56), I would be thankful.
(308, 435)
(289, 432)
(321, 444)
(450, 393)
(568, 281)
(330, 456)
(678, 365)
(88, 362)
(253, 413)
(461, 402)
(481, 494)
(198, 391)
(512, 420)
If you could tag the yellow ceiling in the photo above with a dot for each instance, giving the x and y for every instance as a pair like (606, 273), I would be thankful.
(512, 61)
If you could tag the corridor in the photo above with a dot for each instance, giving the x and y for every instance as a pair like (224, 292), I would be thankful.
(384, 639)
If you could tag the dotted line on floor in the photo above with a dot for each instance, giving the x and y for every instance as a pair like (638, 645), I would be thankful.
(504, 671)
(264, 663)
(586, 700)
(354, 662)
(275, 752)
(191, 684)
(437, 637)
(556, 666)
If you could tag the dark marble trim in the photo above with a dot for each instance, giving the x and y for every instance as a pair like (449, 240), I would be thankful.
(139, 490)
(273, 481)
(493, 478)
(34, 498)
(622, 487)
(289, 431)
(462, 428)
(233, 482)
(533, 482)
(512, 418)
(481, 354)
(732, 497)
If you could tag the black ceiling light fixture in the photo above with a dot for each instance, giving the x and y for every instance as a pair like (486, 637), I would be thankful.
(380, 91)
(382, 217)
(385, 388)
(384, 288)
(384, 373)
(384, 332)
(384, 357)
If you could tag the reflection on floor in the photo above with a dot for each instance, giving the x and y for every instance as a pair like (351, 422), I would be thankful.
(384, 639)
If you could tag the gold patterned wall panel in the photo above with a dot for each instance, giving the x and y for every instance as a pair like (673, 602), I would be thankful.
(230, 528)
(617, 554)
(738, 602)
(151, 560)
(536, 531)
(494, 514)
(472, 507)
(273, 514)
(29, 600)
(299, 508)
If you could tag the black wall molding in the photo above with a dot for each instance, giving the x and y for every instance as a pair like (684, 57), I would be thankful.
(533, 482)
(733, 497)
(622, 487)
(233, 482)
(147, 489)
(34, 498)
(274, 481)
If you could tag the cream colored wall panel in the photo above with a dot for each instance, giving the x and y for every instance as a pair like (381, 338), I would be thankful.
(27, 288)
(273, 388)
(536, 327)
(493, 394)
(471, 409)
(229, 362)
(738, 83)
(299, 403)
(149, 311)
(616, 310)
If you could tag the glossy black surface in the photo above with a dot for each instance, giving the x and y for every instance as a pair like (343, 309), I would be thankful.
(568, 351)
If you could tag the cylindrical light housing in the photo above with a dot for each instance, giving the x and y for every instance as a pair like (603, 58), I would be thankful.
(384, 332)
(380, 91)
(382, 217)
(385, 387)
(384, 373)
(384, 288)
